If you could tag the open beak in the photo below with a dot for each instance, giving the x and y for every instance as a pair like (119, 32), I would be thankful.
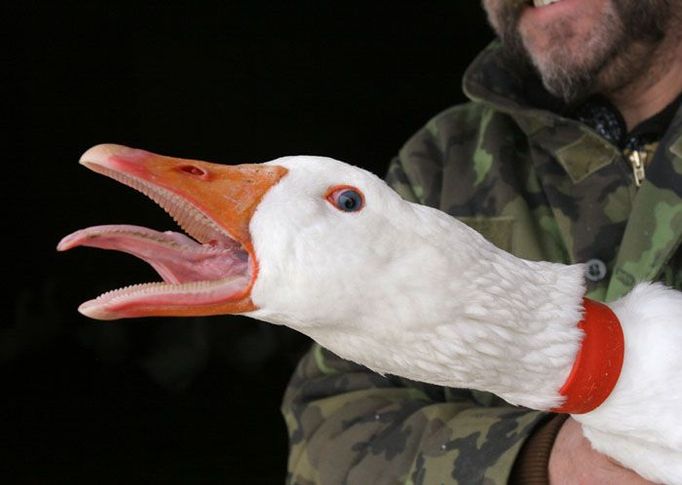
(209, 273)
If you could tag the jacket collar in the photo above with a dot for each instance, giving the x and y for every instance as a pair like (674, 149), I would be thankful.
(495, 80)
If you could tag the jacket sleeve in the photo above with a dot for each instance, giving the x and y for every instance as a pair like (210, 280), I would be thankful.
(348, 425)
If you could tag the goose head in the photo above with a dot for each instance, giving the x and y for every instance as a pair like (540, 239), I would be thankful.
(298, 241)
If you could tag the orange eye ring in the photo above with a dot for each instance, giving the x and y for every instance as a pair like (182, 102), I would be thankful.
(346, 198)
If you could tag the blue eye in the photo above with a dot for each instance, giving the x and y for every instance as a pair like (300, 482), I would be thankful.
(347, 199)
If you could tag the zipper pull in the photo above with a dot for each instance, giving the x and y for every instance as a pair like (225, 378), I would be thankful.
(637, 160)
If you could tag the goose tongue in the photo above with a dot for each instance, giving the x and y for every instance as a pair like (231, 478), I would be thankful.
(176, 257)
(209, 273)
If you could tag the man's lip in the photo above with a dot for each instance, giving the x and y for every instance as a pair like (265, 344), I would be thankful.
(550, 12)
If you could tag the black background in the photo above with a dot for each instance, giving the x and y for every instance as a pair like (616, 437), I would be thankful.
(180, 400)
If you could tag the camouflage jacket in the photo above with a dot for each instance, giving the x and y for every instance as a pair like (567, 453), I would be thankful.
(535, 183)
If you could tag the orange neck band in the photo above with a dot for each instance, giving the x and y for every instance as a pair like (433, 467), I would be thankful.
(598, 363)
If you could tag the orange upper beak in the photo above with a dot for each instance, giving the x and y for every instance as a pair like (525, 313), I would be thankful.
(213, 203)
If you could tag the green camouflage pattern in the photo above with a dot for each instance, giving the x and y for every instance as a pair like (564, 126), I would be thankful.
(536, 184)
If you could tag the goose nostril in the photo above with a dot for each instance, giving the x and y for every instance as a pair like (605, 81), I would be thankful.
(193, 170)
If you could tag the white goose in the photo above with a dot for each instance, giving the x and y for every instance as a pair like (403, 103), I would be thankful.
(330, 250)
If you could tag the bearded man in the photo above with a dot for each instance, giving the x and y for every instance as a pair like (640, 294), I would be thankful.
(569, 151)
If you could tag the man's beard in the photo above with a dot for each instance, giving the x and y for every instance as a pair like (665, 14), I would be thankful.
(619, 49)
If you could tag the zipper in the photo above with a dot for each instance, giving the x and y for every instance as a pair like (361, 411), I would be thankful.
(637, 161)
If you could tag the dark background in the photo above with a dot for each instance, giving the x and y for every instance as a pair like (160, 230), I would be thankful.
(180, 400)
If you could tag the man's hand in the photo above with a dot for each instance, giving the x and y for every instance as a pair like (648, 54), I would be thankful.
(573, 461)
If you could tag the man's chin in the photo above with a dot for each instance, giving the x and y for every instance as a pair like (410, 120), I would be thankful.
(571, 87)
(565, 74)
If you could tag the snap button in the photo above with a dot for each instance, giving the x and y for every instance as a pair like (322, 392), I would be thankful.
(595, 270)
